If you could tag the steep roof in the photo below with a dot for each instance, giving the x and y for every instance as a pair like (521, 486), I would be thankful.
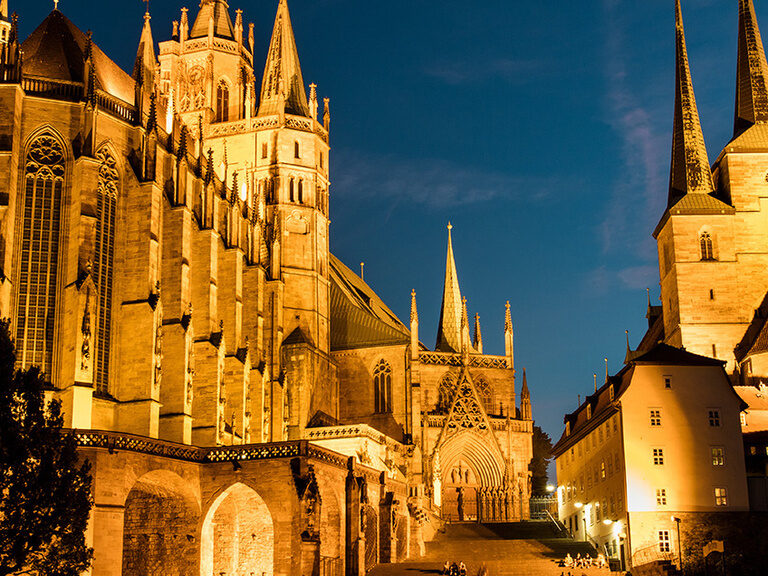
(144, 66)
(56, 50)
(756, 397)
(222, 24)
(751, 73)
(449, 328)
(689, 171)
(282, 83)
(755, 339)
(359, 318)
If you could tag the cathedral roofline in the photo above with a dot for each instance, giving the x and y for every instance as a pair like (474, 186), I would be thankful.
(218, 11)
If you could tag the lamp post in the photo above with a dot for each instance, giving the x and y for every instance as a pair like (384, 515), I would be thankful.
(676, 520)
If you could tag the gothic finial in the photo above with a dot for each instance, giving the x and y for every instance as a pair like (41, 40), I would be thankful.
(209, 167)
(507, 319)
(152, 120)
(606, 369)
(478, 340)
(414, 311)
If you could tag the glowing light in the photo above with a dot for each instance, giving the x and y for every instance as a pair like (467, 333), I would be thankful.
(578, 504)
(550, 488)
(243, 192)
(607, 521)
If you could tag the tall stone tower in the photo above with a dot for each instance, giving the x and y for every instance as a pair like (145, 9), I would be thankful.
(713, 238)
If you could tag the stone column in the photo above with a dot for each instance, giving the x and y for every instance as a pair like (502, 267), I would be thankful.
(354, 545)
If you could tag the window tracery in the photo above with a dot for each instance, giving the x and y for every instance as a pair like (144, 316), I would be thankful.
(222, 102)
(445, 392)
(382, 387)
(39, 252)
(707, 247)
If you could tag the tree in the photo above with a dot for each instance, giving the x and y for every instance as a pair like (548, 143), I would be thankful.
(542, 454)
(45, 490)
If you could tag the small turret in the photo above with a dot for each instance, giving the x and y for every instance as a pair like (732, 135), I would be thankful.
(239, 29)
(465, 343)
(509, 336)
(183, 28)
(414, 327)
(478, 340)
(525, 399)
(313, 101)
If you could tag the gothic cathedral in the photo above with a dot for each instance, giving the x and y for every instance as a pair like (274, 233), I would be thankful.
(248, 403)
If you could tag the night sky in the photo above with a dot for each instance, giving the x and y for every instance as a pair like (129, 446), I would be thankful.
(541, 130)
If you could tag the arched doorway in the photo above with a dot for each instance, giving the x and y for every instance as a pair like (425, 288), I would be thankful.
(159, 526)
(238, 535)
(471, 465)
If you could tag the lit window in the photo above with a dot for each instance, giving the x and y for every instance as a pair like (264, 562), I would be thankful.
(721, 498)
(661, 496)
(667, 382)
(718, 456)
(222, 102)
(655, 417)
(753, 450)
(743, 418)
(658, 456)
(707, 249)
(714, 418)
(602, 469)
(664, 541)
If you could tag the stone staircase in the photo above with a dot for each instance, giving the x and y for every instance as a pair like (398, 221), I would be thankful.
(530, 548)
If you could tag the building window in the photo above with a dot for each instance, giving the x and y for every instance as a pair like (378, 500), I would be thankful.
(655, 417)
(707, 250)
(106, 207)
(321, 159)
(664, 541)
(296, 150)
(661, 496)
(301, 191)
(743, 418)
(753, 450)
(721, 498)
(714, 351)
(263, 149)
(222, 102)
(602, 469)
(714, 418)
(711, 294)
(291, 194)
(39, 254)
(382, 387)
(718, 456)
(658, 456)
(447, 390)
(667, 382)
(485, 392)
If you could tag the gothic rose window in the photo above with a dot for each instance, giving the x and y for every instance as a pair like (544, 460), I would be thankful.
(382, 387)
(39, 253)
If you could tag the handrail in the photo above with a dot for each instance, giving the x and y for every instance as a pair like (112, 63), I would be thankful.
(559, 525)
(651, 553)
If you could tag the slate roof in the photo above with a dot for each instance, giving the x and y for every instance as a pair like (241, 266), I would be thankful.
(56, 51)
(756, 398)
(359, 318)
(755, 339)
(222, 24)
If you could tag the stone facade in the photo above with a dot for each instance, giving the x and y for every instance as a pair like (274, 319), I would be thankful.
(164, 248)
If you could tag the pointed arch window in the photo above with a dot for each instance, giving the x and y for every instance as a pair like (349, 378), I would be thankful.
(106, 206)
(222, 102)
(39, 253)
(445, 392)
(382, 387)
(301, 191)
(291, 191)
(707, 246)
(485, 392)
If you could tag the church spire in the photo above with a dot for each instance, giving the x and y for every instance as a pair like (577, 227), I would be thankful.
(478, 341)
(282, 86)
(213, 18)
(751, 72)
(144, 66)
(525, 399)
(690, 171)
(449, 326)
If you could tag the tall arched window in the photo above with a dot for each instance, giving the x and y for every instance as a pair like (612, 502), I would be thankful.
(103, 261)
(445, 392)
(707, 248)
(301, 191)
(485, 392)
(39, 253)
(382, 387)
(291, 193)
(222, 102)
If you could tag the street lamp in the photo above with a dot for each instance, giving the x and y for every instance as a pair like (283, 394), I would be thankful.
(550, 488)
(677, 521)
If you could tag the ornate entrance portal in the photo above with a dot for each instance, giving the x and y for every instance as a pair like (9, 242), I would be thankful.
(460, 488)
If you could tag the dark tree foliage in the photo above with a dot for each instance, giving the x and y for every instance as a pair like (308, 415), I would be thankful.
(542, 454)
(45, 491)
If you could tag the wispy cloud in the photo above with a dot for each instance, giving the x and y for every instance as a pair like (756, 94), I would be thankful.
(603, 280)
(432, 182)
(635, 198)
(456, 72)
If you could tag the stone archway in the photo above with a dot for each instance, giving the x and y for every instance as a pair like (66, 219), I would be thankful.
(159, 527)
(238, 535)
(470, 468)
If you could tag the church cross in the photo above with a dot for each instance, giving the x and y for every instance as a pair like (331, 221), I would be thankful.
(55, 4)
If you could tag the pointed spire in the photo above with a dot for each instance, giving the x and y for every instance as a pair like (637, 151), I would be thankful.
(144, 66)
(313, 101)
(152, 120)
(282, 85)
(213, 18)
(465, 342)
(524, 392)
(509, 336)
(414, 311)
(751, 72)
(449, 326)
(690, 171)
(525, 399)
(478, 340)
(507, 319)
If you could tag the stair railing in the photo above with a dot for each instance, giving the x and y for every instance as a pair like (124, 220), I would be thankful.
(559, 525)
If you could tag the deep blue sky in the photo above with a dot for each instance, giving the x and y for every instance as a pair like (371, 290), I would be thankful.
(540, 129)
